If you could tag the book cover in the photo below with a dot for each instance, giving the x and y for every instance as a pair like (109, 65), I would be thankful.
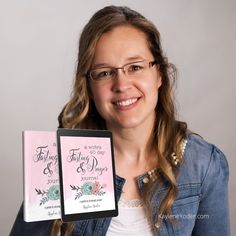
(86, 163)
(41, 176)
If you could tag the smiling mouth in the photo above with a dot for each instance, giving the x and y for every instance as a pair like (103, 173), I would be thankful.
(127, 102)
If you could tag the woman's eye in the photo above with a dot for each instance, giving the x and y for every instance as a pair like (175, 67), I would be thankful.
(104, 74)
(134, 68)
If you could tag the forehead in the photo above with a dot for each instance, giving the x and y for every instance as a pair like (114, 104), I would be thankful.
(122, 44)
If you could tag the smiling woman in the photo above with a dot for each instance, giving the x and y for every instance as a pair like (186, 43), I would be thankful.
(125, 98)
(165, 173)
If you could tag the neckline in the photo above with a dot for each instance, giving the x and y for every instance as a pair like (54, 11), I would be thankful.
(130, 203)
(153, 172)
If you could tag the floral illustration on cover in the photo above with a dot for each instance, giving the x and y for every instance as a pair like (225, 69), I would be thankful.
(53, 193)
(89, 188)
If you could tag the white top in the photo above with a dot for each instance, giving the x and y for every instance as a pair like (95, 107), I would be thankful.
(131, 220)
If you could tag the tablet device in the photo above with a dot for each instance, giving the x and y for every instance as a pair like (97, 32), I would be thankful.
(87, 174)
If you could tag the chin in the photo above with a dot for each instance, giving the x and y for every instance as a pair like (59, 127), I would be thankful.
(129, 124)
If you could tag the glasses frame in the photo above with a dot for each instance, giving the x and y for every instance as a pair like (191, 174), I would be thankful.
(89, 74)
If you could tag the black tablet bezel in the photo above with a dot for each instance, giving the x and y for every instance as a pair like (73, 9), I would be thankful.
(85, 133)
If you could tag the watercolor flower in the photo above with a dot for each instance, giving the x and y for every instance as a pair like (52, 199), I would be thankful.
(53, 192)
(87, 188)
(96, 187)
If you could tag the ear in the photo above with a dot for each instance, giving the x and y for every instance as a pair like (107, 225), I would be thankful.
(159, 78)
(159, 81)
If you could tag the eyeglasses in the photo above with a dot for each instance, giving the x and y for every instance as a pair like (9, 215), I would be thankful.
(136, 69)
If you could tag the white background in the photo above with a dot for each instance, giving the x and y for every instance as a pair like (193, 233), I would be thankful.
(38, 49)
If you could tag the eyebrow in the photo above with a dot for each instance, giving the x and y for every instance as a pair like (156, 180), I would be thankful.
(129, 59)
(135, 58)
(100, 65)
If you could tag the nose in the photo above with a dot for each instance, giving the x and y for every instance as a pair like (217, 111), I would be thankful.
(121, 83)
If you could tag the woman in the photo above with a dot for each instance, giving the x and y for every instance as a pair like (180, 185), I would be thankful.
(169, 181)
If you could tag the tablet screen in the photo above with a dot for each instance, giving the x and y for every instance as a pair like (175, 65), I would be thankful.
(87, 174)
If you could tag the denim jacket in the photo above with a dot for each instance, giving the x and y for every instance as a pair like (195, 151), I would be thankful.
(201, 206)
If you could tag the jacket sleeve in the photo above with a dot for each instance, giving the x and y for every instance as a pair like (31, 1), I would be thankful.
(20, 227)
(213, 213)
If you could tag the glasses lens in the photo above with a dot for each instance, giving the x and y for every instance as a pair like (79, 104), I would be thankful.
(102, 73)
(136, 68)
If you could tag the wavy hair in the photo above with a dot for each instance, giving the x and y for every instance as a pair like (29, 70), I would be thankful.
(80, 111)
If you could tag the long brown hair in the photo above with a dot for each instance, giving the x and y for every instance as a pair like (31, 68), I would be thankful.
(80, 111)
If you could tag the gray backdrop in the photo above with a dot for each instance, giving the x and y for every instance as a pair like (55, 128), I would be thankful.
(38, 48)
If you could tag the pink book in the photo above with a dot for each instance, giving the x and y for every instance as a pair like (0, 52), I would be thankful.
(41, 177)
(87, 174)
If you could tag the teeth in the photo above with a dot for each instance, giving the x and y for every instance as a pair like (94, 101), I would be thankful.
(127, 102)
